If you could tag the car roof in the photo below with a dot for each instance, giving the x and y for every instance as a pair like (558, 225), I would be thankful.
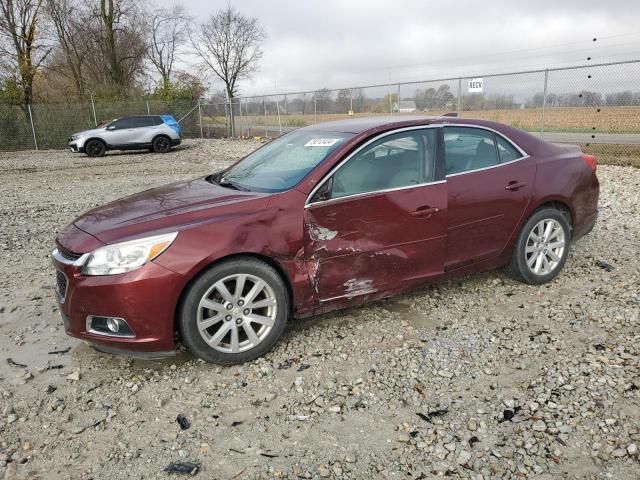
(362, 125)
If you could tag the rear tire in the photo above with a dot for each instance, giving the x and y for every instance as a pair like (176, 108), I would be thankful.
(161, 144)
(542, 247)
(95, 148)
(234, 312)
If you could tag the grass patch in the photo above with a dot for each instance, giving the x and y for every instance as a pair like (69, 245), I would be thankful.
(614, 154)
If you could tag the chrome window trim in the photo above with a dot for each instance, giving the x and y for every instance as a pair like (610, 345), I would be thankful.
(76, 263)
(355, 152)
(524, 155)
(88, 328)
(374, 192)
(488, 168)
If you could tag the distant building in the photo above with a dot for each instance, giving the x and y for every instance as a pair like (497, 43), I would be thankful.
(405, 106)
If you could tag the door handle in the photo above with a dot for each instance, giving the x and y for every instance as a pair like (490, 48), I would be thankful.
(515, 185)
(425, 211)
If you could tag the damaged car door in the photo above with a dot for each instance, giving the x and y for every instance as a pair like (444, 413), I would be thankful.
(377, 222)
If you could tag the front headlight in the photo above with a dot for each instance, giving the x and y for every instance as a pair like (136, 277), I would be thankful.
(126, 256)
(77, 136)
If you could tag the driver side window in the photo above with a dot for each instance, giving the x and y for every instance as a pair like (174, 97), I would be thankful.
(394, 161)
(122, 124)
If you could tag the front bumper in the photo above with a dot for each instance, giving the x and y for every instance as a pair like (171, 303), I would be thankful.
(75, 148)
(146, 298)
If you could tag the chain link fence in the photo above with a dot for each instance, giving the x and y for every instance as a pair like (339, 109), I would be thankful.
(42, 126)
(596, 106)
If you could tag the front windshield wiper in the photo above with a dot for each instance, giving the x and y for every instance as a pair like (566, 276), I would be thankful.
(223, 182)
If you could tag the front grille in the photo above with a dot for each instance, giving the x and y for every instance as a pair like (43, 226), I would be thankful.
(66, 254)
(61, 286)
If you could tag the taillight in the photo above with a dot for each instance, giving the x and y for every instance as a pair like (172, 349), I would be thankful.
(591, 160)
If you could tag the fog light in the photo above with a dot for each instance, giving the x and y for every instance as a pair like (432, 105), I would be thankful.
(109, 326)
(113, 324)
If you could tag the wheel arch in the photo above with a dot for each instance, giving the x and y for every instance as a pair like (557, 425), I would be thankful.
(558, 203)
(158, 135)
(90, 139)
(272, 262)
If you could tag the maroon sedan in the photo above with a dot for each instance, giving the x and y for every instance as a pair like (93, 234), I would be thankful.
(325, 217)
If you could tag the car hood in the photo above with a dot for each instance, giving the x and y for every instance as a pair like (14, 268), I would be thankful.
(88, 132)
(169, 208)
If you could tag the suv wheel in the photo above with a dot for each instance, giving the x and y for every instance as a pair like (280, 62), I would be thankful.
(542, 248)
(95, 148)
(161, 144)
(234, 312)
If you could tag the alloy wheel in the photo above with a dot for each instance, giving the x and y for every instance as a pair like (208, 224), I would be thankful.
(545, 246)
(95, 148)
(162, 144)
(236, 313)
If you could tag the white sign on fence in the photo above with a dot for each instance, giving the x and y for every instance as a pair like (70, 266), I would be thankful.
(475, 85)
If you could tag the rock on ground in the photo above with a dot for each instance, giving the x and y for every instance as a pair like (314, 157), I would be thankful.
(481, 377)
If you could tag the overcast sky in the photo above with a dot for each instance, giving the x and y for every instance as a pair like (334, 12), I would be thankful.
(341, 43)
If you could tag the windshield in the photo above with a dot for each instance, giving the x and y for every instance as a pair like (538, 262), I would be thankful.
(104, 124)
(285, 161)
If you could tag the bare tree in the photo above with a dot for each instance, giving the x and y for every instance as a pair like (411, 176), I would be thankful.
(23, 48)
(121, 41)
(69, 20)
(228, 43)
(168, 32)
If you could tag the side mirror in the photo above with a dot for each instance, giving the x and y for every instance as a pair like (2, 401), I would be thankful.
(111, 127)
(324, 192)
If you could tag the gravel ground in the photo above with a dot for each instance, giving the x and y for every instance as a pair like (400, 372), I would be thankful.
(476, 378)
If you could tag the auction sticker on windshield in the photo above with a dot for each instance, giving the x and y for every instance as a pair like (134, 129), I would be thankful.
(322, 142)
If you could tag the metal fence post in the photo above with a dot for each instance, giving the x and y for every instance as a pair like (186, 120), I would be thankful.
(35, 142)
(315, 110)
(390, 102)
(241, 122)
(93, 107)
(286, 114)
(544, 101)
(200, 118)
(459, 95)
(278, 110)
(264, 102)
(232, 130)
(398, 108)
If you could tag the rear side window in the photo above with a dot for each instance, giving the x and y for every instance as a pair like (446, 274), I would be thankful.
(394, 161)
(144, 121)
(467, 149)
(506, 150)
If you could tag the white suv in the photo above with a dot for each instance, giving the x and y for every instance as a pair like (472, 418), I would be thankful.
(155, 132)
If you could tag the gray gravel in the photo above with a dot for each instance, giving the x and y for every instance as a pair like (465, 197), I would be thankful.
(476, 378)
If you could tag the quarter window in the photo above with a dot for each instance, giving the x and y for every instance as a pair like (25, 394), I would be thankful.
(506, 150)
(467, 149)
(394, 161)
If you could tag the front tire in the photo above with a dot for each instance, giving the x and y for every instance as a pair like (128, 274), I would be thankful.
(234, 312)
(161, 144)
(542, 247)
(95, 148)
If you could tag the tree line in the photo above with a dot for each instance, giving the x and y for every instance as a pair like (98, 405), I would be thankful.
(326, 101)
(52, 50)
